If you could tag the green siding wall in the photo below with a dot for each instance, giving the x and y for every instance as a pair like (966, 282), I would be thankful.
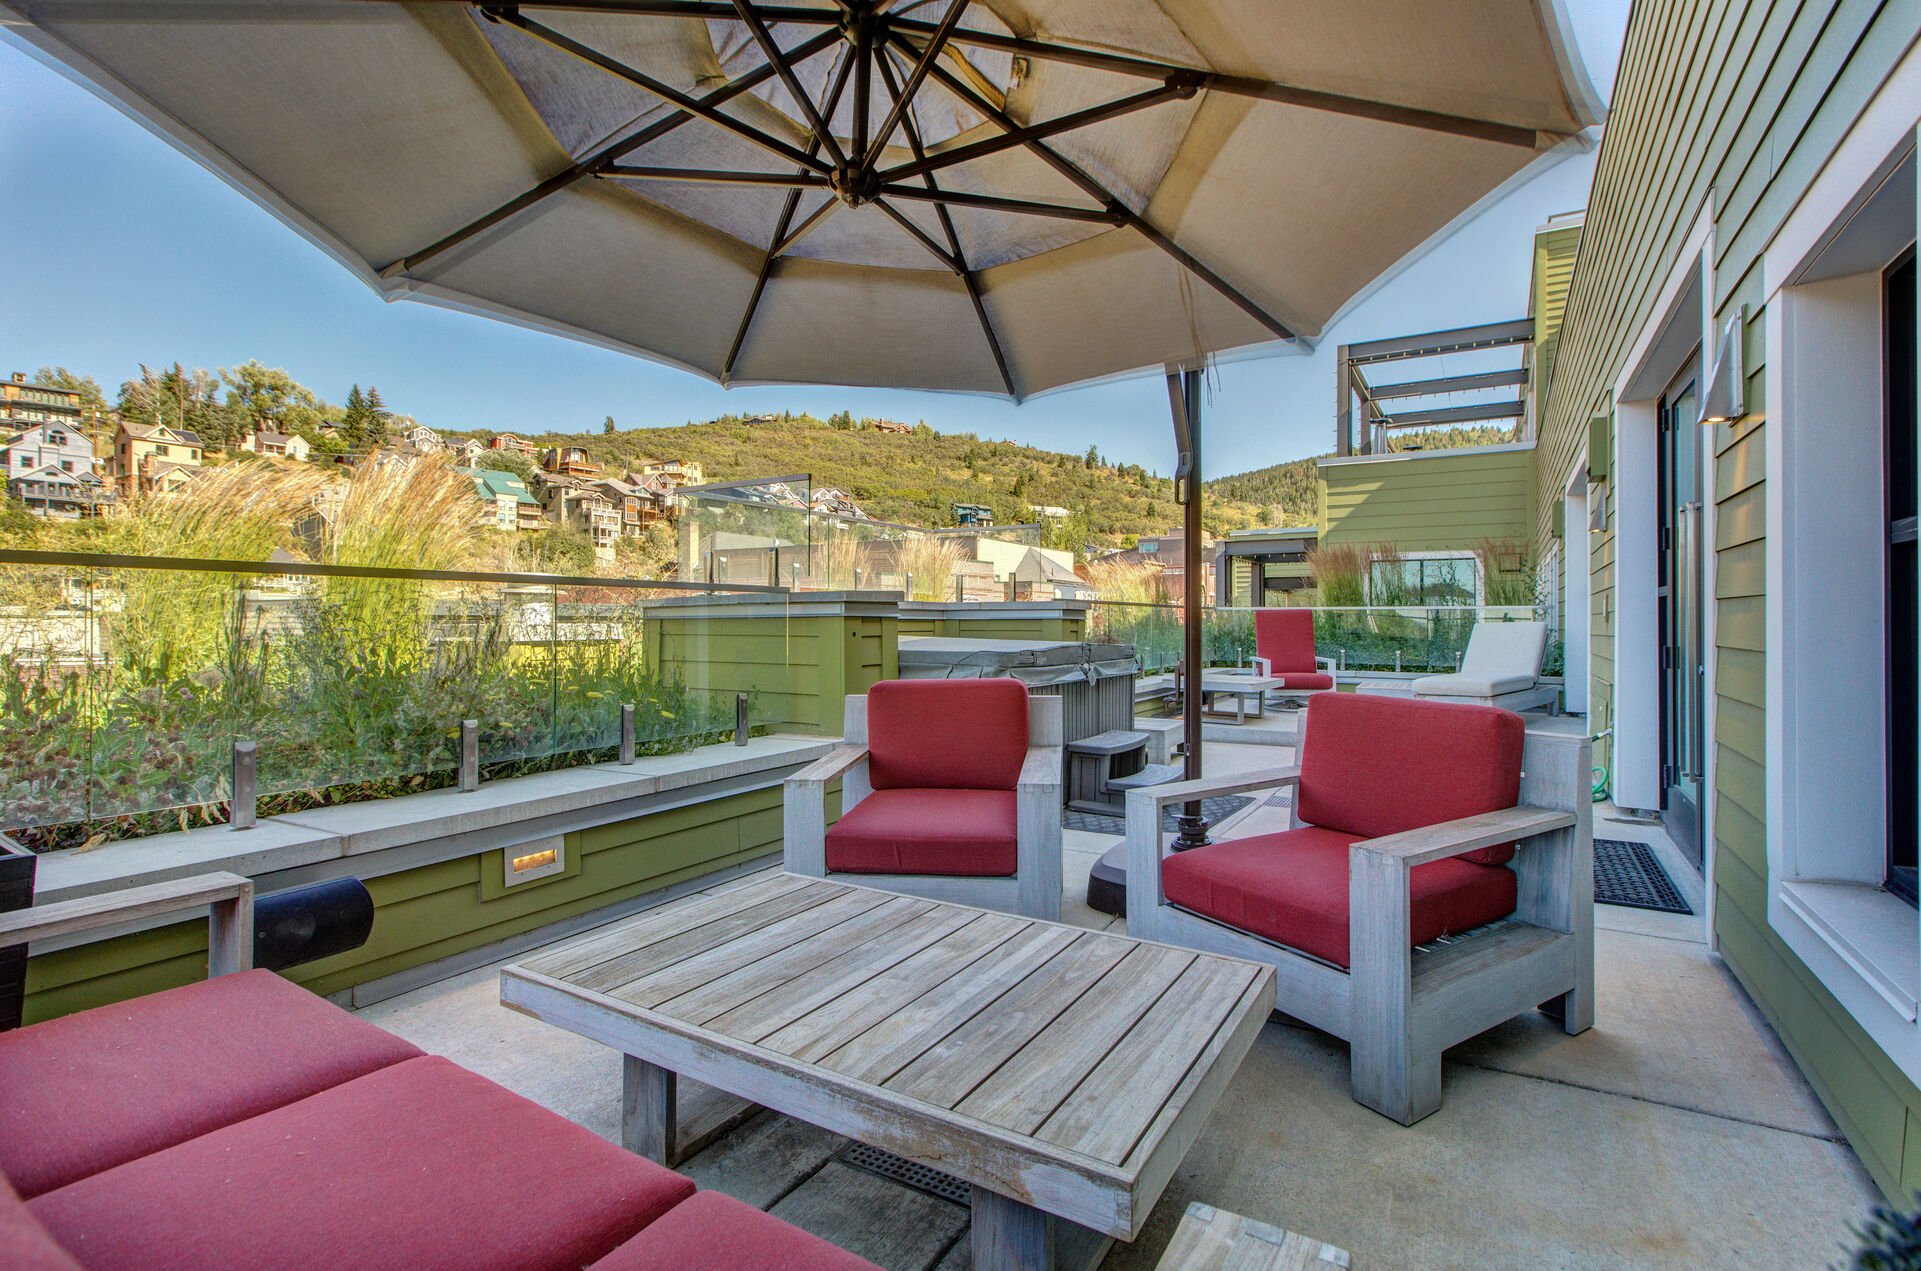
(1432, 503)
(1554, 252)
(436, 911)
(1731, 108)
(797, 668)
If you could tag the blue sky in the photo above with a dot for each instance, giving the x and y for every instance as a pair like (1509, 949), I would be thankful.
(129, 252)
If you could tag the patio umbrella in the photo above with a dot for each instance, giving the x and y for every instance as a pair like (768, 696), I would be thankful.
(995, 196)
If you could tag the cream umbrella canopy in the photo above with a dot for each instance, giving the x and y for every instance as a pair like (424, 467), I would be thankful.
(992, 196)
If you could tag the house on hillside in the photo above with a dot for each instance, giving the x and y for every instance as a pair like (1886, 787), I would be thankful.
(507, 441)
(568, 461)
(834, 501)
(1048, 512)
(512, 505)
(275, 445)
(59, 445)
(153, 458)
(1040, 576)
(466, 452)
(639, 505)
(423, 439)
(889, 426)
(973, 514)
(59, 493)
(677, 472)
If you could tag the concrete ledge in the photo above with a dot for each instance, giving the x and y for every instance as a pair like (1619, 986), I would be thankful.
(547, 803)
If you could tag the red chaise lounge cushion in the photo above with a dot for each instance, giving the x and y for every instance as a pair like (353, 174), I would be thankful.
(421, 1166)
(946, 734)
(1373, 766)
(712, 1232)
(962, 832)
(25, 1245)
(1292, 888)
(90, 1091)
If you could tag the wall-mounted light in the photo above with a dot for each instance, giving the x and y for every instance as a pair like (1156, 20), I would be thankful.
(1726, 398)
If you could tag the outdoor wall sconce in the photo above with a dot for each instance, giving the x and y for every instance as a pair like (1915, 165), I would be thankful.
(1726, 398)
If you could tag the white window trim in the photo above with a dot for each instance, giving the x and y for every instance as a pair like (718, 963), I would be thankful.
(1862, 943)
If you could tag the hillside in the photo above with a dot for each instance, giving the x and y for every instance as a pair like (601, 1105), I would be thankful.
(917, 477)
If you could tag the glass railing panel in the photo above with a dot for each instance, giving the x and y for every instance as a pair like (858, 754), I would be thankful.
(47, 696)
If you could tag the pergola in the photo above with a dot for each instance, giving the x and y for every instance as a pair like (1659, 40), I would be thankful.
(1378, 419)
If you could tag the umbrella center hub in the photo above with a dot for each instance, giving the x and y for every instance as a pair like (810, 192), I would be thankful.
(855, 183)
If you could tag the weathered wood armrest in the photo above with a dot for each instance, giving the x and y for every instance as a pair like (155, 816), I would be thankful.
(1451, 838)
(230, 920)
(1041, 770)
(1149, 801)
(829, 767)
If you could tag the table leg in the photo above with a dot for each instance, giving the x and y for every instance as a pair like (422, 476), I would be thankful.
(647, 1108)
(1010, 1235)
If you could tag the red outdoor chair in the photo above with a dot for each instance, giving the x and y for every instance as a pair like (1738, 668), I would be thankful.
(950, 789)
(1284, 647)
(1413, 822)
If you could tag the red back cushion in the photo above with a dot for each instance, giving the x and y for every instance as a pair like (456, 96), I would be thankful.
(1375, 765)
(24, 1244)
(946, 734)
(1285, 637)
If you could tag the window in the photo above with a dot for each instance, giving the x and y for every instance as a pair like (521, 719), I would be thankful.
(1439, 579)
(1898, 327)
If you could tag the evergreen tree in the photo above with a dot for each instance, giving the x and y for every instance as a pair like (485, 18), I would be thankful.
(607, 425)
(379, 419)
(353, 424)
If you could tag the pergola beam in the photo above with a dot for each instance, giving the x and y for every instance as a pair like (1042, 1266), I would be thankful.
(599, 161)
(1455, 415)
(1095, 190)
(1447, 384)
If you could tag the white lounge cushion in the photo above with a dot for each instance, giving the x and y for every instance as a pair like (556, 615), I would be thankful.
(1466, 685)
(1505, 649)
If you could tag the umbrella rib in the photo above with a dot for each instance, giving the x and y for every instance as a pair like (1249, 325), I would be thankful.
(771, 50)
(1094, 189)
(1020, 135)
(774, 248)
(709, 176)
(915, 78)
(992, 203)
(921, 236)
(598, 161)
(968, 277)
(692, 105)
(673, 9)
(1239, 85)
(806, 227)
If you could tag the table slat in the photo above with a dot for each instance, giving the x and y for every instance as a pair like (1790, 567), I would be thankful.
(708, 935)
(653, 925)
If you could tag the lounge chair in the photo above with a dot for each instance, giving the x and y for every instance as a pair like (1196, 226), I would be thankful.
(1284, 648)
(950, 789)
(1413, 823)
(1502, 667)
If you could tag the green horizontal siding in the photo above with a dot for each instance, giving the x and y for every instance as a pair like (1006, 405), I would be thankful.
(1434, 503)
(435, 911)
(1732, 108)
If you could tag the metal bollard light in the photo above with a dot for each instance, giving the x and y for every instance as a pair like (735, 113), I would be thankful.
(470, 755)
(627, 732)
(246, 785)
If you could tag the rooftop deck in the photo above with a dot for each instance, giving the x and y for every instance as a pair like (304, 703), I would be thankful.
(1676, 1133)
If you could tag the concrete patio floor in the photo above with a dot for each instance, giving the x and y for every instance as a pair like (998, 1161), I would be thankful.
(1676, 1133)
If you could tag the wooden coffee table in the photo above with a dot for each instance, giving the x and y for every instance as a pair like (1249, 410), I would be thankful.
(1062, 1073)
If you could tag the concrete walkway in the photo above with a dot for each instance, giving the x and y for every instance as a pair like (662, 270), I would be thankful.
(1676, 1133)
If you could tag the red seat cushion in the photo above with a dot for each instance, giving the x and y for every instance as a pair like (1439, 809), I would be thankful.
(25, 1245)
(91, 1091)
(1304, 680)
(1291, 888)
(1285, 637)
(1379, 765)
(966, 832)
(422, 1166)
(713, 1232)
(946, 734)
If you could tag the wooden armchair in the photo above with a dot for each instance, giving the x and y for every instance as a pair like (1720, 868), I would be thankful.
(1437, 880)
(227, 898)
(1284, 648)
(950, 789)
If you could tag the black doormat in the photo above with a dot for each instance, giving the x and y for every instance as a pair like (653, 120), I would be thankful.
(1215, 810)
(1629, 874)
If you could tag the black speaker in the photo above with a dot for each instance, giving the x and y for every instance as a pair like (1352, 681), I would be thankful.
(16, 892)
(305, 924)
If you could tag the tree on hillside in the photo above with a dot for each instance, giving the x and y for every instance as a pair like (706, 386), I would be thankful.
(508, 461)
(91, 398)
(379, 418)
(178, 398)
(607, 425)
(564, 549)
(268, 399)
(1093, 459)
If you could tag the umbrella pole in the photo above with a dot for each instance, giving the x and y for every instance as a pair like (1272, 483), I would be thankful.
(1184, 398)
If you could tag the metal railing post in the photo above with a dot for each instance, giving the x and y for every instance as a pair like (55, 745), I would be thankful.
(627, 732)
(246, 785)
(741, 725)
(470, 755)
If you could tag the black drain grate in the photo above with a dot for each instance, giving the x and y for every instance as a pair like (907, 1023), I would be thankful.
(1629, 874)
(919, 1177)
(1215, 810)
